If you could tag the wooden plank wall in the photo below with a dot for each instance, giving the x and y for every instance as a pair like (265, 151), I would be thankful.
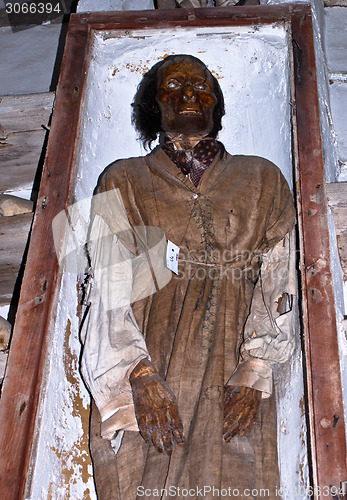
(337, 201)
(14, 234)
(22, 138)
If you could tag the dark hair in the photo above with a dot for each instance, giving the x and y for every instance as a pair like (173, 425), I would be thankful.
(146, 116)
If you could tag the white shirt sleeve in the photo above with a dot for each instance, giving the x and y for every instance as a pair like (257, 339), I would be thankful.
(269, 334)
(113, 343)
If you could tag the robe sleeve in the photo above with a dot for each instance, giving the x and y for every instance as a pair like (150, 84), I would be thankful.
(112, 341)
(269, 333)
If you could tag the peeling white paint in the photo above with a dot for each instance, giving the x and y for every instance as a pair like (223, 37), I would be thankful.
(252, 67)
(253, 70)
(292, 433)
(61, 469)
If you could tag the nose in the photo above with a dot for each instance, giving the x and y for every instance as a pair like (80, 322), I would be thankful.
(188, 92)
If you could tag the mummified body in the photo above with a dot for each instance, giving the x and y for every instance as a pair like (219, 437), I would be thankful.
(186, 359)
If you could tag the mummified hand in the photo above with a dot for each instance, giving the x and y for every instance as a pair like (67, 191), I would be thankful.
(155, 408)
(240, 410)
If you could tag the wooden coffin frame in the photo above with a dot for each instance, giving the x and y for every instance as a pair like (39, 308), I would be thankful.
(24, 375)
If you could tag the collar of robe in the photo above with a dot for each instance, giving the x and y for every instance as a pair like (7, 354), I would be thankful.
(192, 156)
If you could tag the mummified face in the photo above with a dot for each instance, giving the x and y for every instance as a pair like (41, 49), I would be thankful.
(186, 97)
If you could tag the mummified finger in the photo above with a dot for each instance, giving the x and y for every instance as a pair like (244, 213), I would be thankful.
(240, 410)
(155, 408)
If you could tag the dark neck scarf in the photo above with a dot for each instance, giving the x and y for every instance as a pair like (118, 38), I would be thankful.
(193, 161)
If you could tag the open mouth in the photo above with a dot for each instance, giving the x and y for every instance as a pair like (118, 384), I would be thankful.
(191, 111)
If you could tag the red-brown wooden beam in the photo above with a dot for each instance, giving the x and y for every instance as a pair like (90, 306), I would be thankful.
(24, 376)
(327, 427)
(209, 17)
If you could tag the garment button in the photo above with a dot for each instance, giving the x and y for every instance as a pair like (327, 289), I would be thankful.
(195, 195)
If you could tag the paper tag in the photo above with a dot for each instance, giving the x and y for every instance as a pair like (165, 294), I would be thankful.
(172, 252)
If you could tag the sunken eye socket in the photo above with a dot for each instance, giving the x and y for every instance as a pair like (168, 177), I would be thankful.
(201, 86)
(175, 84)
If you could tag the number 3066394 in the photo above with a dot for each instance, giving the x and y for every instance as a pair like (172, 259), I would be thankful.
(32, 8)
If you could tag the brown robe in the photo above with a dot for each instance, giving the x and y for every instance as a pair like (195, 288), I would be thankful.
(194, 325)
